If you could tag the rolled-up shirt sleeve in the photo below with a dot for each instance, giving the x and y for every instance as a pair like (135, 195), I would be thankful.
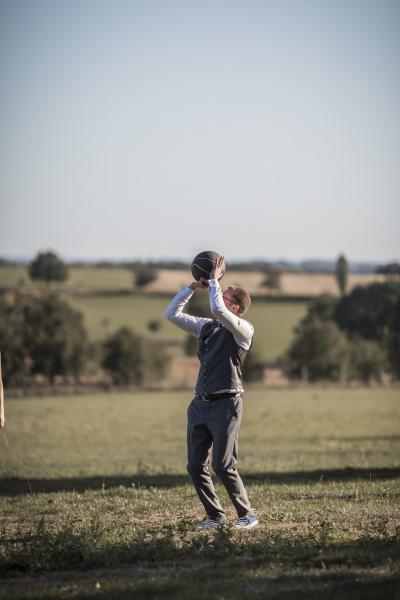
(241, 329)
(174, 313)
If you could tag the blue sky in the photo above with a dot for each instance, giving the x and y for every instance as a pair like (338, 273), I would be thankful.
(158, 129)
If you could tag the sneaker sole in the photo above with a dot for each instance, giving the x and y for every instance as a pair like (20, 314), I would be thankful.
(208, 528)
(246, 526)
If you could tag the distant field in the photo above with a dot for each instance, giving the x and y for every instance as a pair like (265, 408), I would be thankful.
(95, 500)
(80, 278)
(274, 321)
(91, 279)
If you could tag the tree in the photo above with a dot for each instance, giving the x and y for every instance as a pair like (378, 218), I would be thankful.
(369, 311)
(369, 324)
(144, 275)
(393, 342)
(341, 271)
(54, 336)
(15, 354)
(319, 351)
(391, 270)
(130, 359)
(48, 267)
(253, 368)
(323, 307)
(123, 357)
(41, 336)
(272, 278)
(367, 360)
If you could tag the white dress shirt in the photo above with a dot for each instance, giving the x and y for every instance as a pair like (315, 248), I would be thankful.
(241, 329)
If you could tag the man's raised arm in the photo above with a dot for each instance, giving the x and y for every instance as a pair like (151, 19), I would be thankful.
(241, 329)
(174, 312)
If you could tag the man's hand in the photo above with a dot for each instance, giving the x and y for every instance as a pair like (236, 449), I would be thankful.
(199, 285)
(218, 268)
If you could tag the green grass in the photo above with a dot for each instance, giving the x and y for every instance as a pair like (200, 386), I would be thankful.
(78, 278)
(95, 500)
(273, 321)
(104, 314)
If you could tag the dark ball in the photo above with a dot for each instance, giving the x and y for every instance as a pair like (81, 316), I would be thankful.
(203, 264)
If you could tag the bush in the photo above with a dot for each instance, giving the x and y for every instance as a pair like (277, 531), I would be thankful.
(144, 276)
(319, 351)
(130, 359)
(253, 368)
(123, 357)
(367, 360)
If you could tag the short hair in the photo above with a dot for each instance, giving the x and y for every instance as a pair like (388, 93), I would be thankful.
(241, 297)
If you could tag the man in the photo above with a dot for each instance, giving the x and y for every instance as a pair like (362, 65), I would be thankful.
(215, 413)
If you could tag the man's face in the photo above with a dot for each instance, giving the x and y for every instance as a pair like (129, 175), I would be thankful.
(230, 303)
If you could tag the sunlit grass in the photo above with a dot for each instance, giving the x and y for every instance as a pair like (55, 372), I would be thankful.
(95, 498)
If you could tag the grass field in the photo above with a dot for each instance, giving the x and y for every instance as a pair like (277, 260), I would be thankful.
(78, 278)
(274, 321)
(114, 279)
(95, 500)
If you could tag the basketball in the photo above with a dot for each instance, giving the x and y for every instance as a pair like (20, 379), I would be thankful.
(203, 264)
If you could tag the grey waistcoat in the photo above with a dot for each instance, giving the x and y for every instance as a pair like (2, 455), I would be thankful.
(221, 361)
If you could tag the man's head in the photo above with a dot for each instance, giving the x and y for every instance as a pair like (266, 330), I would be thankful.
(236, 300)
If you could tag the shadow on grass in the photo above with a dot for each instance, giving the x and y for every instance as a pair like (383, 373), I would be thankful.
(226, 552)
(13, 486)
(206, 585)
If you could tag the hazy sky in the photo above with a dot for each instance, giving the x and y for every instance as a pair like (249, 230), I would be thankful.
(157, 129)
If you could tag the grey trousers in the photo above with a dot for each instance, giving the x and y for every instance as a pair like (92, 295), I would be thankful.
(216, 424)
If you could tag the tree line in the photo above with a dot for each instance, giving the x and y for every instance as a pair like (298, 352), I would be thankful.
(47, 267)
(259, 265)
(356, 337)
(43, 335)
(352, 338)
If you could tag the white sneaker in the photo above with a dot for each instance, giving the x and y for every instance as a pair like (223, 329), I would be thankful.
(246, 522)
(210, 524)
